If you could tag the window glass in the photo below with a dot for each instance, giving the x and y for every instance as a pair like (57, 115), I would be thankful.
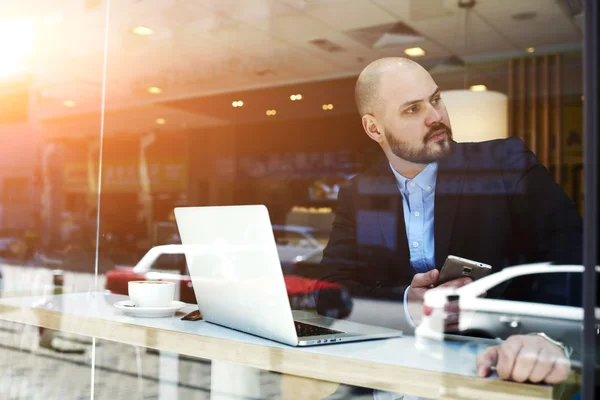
(51, 98)
(371, 139)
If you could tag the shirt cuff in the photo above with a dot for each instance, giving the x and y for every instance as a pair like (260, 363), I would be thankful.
(406, 313)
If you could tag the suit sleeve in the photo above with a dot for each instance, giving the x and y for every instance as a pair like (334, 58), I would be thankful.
(351, 265)
(548, 226)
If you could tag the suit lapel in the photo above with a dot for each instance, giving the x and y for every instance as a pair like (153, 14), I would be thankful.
(392, 231)
(448, 189)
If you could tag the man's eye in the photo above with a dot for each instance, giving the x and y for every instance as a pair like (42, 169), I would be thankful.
(436, 100)
(412, 110)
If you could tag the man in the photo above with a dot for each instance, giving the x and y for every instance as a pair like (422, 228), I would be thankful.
(431, 197)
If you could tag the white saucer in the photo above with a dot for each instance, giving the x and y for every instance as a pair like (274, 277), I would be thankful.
(129, 308)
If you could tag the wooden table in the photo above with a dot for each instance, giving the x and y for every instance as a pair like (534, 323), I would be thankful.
(408, 365)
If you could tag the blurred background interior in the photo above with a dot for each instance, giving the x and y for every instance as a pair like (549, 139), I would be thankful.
(249, 102)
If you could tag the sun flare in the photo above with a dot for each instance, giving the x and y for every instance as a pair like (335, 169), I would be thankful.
(16, 43)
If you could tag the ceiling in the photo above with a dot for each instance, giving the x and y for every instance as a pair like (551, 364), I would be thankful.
(212, 48)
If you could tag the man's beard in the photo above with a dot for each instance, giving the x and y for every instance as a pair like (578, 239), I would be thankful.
(426, 153)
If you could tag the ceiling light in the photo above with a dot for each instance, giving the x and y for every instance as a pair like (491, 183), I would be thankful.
(530, 49)
(327, 107)
(161, 121)
(295, 97)
(478, 88)
(415, 52)
(237, 103)
(142, 31)
(270, 113)
(69, 103)
(154, 90)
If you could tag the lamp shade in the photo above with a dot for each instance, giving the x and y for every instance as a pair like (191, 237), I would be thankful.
(477, 116)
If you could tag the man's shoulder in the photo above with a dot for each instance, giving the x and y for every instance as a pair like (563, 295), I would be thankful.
(379, 168)
(512, 142)
(497, 153)
(377, 179)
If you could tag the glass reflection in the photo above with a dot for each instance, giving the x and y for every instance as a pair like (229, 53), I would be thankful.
(218, 103)
(50, 103)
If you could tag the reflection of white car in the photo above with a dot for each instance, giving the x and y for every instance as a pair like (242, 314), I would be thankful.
(505, 316)
(295, 242)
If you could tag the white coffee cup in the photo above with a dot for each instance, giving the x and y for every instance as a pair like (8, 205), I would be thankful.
(151, 293)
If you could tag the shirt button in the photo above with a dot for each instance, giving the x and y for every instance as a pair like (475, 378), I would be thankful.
(429, 188)
(417, 213)
(412, 183)
(415, 244)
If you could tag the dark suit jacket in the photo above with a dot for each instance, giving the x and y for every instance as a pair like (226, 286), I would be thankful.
(494, 203)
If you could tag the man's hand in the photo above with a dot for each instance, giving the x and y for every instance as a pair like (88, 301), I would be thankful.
(420, 284)
(525, 358)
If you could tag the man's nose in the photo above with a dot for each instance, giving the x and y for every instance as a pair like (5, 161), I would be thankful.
(433, 116)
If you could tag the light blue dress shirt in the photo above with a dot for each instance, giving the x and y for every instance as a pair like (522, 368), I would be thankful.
(418, 201)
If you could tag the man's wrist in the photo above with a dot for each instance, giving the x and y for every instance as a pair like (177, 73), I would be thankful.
(566, 349)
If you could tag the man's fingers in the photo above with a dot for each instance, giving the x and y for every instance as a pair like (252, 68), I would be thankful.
(560, 371)
(451, 316)
(419, 285)
(543, 366)
(507, 354)
(486, 360)
(426, 279)
(452, 307)
(524, 363)
(450, 327)
(526, 358)
(456, 283)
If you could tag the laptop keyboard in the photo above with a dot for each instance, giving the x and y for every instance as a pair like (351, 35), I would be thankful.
(304, 330)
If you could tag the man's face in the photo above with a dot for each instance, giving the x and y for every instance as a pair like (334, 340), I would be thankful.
(413, 116)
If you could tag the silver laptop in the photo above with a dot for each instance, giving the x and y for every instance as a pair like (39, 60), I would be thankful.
(239, 283)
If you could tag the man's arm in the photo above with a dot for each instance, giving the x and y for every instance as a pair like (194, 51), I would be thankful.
(342, 261)
(368, 271)
(547, 222)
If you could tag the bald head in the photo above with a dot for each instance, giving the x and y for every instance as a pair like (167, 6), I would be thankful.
(366, 91)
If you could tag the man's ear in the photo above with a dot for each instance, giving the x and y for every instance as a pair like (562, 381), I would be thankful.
(370, 126)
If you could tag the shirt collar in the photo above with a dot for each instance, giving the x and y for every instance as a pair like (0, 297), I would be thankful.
(424, 180)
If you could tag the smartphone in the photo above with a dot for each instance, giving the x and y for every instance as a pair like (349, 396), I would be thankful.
(458, 267)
